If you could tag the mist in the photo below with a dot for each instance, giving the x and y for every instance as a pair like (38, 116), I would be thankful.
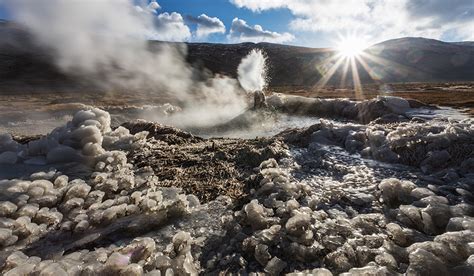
(103, 38)
(106, 42)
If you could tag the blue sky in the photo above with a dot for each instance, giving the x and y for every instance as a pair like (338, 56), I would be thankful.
(314, 23)
(275, 20)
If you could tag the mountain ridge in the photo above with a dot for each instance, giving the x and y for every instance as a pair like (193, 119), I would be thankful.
(408, 59)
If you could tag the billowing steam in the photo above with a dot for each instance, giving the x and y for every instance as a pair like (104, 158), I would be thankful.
(252, 71)
(105, 41)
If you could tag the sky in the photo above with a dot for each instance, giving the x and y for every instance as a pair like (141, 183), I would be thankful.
(312, 23)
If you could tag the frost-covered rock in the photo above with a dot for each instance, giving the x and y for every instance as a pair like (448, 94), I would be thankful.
(423, 262)
(140, 249)
(49, 217)
(53, 269)
(117, 262)
(81, 140)
(316, 272)
(419, 193)
(81, 226)
(275, 266)
(298, 224)
(78, 190)
(256, 215)
(132, 270)
(6, 237)
(395, 192)
(7, 208)
(28, 210)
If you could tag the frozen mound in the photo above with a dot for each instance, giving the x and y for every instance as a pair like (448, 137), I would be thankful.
(389, 109)
(332, 226)
(433, 146)
(286, 227)
(81, 140)
(51, 224)
(288, 224)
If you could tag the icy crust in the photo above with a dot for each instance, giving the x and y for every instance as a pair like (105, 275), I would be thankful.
(138, 257)
(434, 146)
(53, 225)
(318, 214)
(289, 226)
(82, 140)
(318, 211)
(50, 215)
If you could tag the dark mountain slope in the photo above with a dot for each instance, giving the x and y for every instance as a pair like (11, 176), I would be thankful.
(24, 64)
(425, 60)
(287, 65)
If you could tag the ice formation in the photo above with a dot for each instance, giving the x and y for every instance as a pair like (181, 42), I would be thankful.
(387, 197)
(48, 206)
(383, 108)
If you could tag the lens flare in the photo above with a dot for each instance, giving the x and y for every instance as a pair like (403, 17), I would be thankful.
(349, 53)
(351, 46)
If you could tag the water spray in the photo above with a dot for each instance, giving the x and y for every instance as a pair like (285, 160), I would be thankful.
(252, 75)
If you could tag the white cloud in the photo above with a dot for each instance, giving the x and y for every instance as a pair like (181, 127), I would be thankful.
(166, 26)
(376, 19)
(207, 25)
(261, 5)
(154, 6)
(170, 27)
(443, 11)
(242, 32)
(151, 7)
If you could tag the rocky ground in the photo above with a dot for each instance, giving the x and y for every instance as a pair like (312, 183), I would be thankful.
(372, 193)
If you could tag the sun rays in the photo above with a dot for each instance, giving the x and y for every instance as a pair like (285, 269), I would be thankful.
(351, 59)
(351, 46)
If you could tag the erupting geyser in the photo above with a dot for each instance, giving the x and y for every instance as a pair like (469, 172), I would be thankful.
(252, 71)
(252, 75)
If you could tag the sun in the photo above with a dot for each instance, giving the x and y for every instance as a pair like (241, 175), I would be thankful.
(351, 46)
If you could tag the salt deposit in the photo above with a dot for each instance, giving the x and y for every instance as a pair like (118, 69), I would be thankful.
(359, 196)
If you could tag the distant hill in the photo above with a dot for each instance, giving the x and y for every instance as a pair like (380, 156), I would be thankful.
(422, 59)
(23, 63)
(287, 65)
(465, 43)
(399, 60)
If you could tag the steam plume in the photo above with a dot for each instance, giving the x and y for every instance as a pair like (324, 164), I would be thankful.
(252, 71)
(103, 38)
